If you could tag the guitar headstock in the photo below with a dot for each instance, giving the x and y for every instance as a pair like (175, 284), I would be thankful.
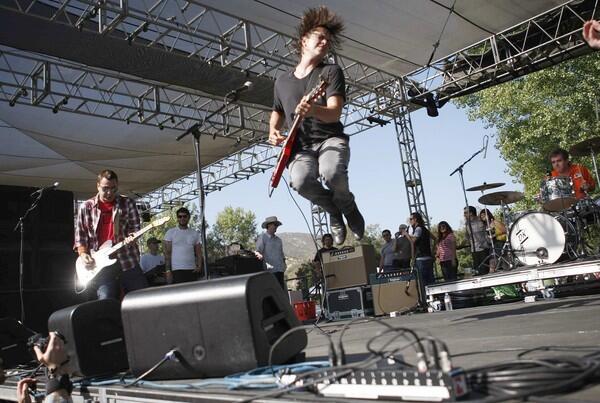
(318, 90)
(160, 222)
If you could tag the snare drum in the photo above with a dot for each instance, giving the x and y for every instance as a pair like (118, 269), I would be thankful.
(537, 238)
(557, 193)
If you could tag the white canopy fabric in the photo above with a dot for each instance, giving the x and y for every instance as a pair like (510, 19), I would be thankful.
(38, 147)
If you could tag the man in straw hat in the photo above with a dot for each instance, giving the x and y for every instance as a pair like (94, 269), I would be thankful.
(269, 249)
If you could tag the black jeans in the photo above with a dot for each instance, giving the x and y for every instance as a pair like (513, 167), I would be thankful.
(449, 270)
(478, 258)
(184, 276)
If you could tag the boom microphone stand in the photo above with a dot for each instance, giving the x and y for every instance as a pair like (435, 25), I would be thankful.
(194, 130)
(459, 169)
(21, 227)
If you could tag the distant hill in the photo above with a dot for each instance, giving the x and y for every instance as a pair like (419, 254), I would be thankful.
(297, 245)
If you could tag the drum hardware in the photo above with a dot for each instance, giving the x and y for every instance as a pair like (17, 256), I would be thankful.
(587, 147)
(498, 198)
(557, 194)
(485, 186)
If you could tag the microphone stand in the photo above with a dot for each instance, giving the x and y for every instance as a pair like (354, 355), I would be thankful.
(194, 130)
(21, 227)
(459, 169)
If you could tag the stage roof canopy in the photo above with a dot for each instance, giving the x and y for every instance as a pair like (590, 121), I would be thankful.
(39, 147)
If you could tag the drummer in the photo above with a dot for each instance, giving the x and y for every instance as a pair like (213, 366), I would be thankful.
(583, 182)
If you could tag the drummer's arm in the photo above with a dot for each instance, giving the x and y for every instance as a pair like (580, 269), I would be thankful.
(588, 178)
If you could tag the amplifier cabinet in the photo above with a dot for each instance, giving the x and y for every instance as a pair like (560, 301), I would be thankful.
(394, 293)
(349, 267)
(350, 303)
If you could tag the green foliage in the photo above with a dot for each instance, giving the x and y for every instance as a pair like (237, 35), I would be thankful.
(372, 237)
(306, 278)
(232, 225)
(539, 112)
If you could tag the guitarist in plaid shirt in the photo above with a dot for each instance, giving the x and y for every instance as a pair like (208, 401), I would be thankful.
(321, 148)
(110, 216)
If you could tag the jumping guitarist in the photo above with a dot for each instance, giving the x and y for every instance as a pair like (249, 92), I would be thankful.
(110, 217)
(321, 148)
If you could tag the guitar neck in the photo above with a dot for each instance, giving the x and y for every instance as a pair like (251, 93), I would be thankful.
(136, 235)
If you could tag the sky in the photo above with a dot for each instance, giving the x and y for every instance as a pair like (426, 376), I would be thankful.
(376, 178)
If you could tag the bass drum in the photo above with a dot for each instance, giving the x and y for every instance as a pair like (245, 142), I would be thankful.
(537, 238)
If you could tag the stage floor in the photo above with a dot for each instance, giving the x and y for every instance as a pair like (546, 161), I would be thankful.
(475, 336)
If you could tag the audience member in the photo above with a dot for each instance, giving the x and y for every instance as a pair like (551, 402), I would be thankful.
(153, 263)
(420, 236)
(479, 242)
(269, 249)
(389, 257)
(183, 251)
(446, 251)
(405, 249)
(591, 33)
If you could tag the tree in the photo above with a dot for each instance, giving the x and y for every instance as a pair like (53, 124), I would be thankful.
(533, 115)
(232, 225)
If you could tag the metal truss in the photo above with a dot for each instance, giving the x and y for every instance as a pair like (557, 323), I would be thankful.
(413, 184)
(59, 85)
(542, 41)
(188, 28)
(239, 166)
(320, 222)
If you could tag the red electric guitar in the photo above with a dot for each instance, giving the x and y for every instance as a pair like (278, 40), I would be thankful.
(286, 151)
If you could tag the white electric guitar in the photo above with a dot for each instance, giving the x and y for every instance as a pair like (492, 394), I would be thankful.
(102, 257)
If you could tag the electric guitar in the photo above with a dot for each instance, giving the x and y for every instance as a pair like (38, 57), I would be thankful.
(286, 151)
(102, 257)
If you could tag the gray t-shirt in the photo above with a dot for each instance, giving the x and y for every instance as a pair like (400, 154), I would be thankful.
(480, 237)
(271, 247)
(388, 253)
(288, 92)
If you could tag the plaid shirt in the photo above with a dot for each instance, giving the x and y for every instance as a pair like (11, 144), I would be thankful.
(126, 220)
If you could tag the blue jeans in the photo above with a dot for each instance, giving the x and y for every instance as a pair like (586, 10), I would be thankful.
(112, 279)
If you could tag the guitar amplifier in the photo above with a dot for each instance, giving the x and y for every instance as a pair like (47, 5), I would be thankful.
(349, 267)
(350, 303)
(393, 293)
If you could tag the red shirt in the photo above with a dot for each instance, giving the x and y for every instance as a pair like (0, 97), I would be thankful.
(579, 174)
(105, 230)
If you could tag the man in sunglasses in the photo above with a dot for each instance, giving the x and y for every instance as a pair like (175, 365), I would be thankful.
(109, 216)
(183, 251)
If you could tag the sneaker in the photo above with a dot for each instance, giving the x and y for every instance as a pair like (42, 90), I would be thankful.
(338, 228)
(356, 222)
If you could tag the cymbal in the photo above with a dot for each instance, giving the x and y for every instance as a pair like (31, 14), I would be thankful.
(486, 186)
(497, 198)
(582, 149)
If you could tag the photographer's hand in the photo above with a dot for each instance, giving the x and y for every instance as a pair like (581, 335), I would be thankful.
(22, 390)
(54, 356)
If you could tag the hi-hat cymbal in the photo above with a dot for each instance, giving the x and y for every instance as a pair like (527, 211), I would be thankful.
(583, 149)
(486, 186)
(497, 198)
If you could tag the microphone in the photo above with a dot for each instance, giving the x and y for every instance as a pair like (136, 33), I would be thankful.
(51, 187)
(234, 94)
(486, 140)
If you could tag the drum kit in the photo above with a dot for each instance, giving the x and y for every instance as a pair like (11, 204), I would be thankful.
(555, 232)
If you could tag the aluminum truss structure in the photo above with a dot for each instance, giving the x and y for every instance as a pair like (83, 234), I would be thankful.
(186, 27)
(415, 192)
(537, 43)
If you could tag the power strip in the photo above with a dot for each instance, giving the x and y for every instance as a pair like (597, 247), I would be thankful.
(430, 386)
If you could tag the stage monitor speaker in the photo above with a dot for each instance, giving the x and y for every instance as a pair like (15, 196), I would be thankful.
(218, 327)
(94, 337)
(349, 267)
(395, 296)
(13, 343)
